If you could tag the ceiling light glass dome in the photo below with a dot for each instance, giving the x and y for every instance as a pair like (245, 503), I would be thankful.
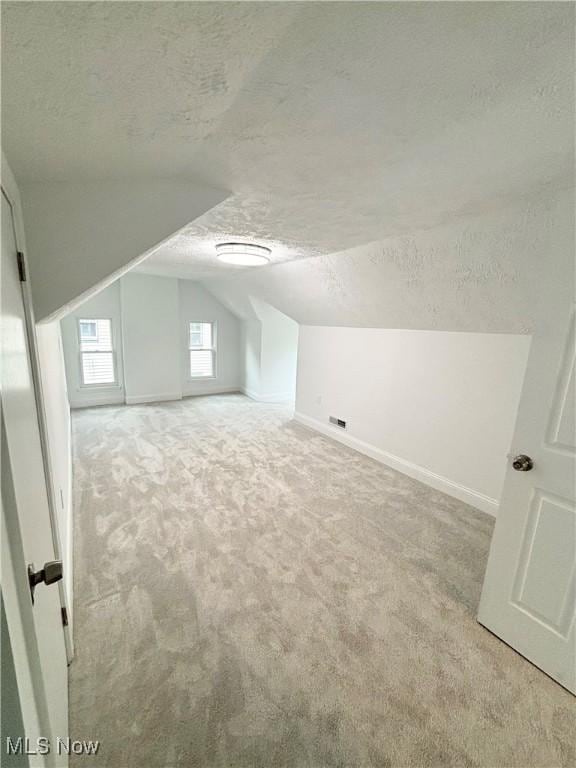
(243, 254)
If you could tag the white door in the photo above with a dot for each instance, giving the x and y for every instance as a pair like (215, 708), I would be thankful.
(27, 514)
(529, 591)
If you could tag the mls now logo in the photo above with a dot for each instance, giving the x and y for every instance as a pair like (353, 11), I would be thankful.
(25, 746)
(69, 746)
(42, 746)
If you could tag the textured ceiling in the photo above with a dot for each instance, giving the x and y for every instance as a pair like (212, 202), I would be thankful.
(332, 124)
(485, 273)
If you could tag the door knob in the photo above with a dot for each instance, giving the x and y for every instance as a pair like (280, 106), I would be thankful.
(522, 463)
(50, 574)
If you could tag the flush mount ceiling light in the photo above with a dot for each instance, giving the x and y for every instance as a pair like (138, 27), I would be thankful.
(243, 254)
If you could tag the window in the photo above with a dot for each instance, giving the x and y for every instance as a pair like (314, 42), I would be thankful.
(88, 330)
(202, 348)
(96, 352)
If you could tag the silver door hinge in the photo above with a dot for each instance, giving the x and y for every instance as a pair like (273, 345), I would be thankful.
(64, 614)
(21, 267)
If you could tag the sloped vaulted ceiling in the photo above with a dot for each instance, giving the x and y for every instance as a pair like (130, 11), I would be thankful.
(333, 125)
(484, 273)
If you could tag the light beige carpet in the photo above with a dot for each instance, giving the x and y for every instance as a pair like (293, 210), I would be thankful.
(250, 593)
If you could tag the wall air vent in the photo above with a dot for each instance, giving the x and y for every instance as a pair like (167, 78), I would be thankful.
(337, 422)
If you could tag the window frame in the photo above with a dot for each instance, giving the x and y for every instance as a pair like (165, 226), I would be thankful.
(109, 385)
(213, 349)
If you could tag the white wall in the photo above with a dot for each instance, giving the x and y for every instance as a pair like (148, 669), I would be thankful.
(104, 304)
(252, 355)
(439, 406)
(197, 304)
(149, 323)
(150, 338)
(270, 351)
(57, 419)
(279, 354)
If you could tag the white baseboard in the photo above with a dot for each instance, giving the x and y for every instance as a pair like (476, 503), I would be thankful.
(275, 397)
(438, 482)
(142, 399)
(211, 390)
(139, 399)
(89, 402)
